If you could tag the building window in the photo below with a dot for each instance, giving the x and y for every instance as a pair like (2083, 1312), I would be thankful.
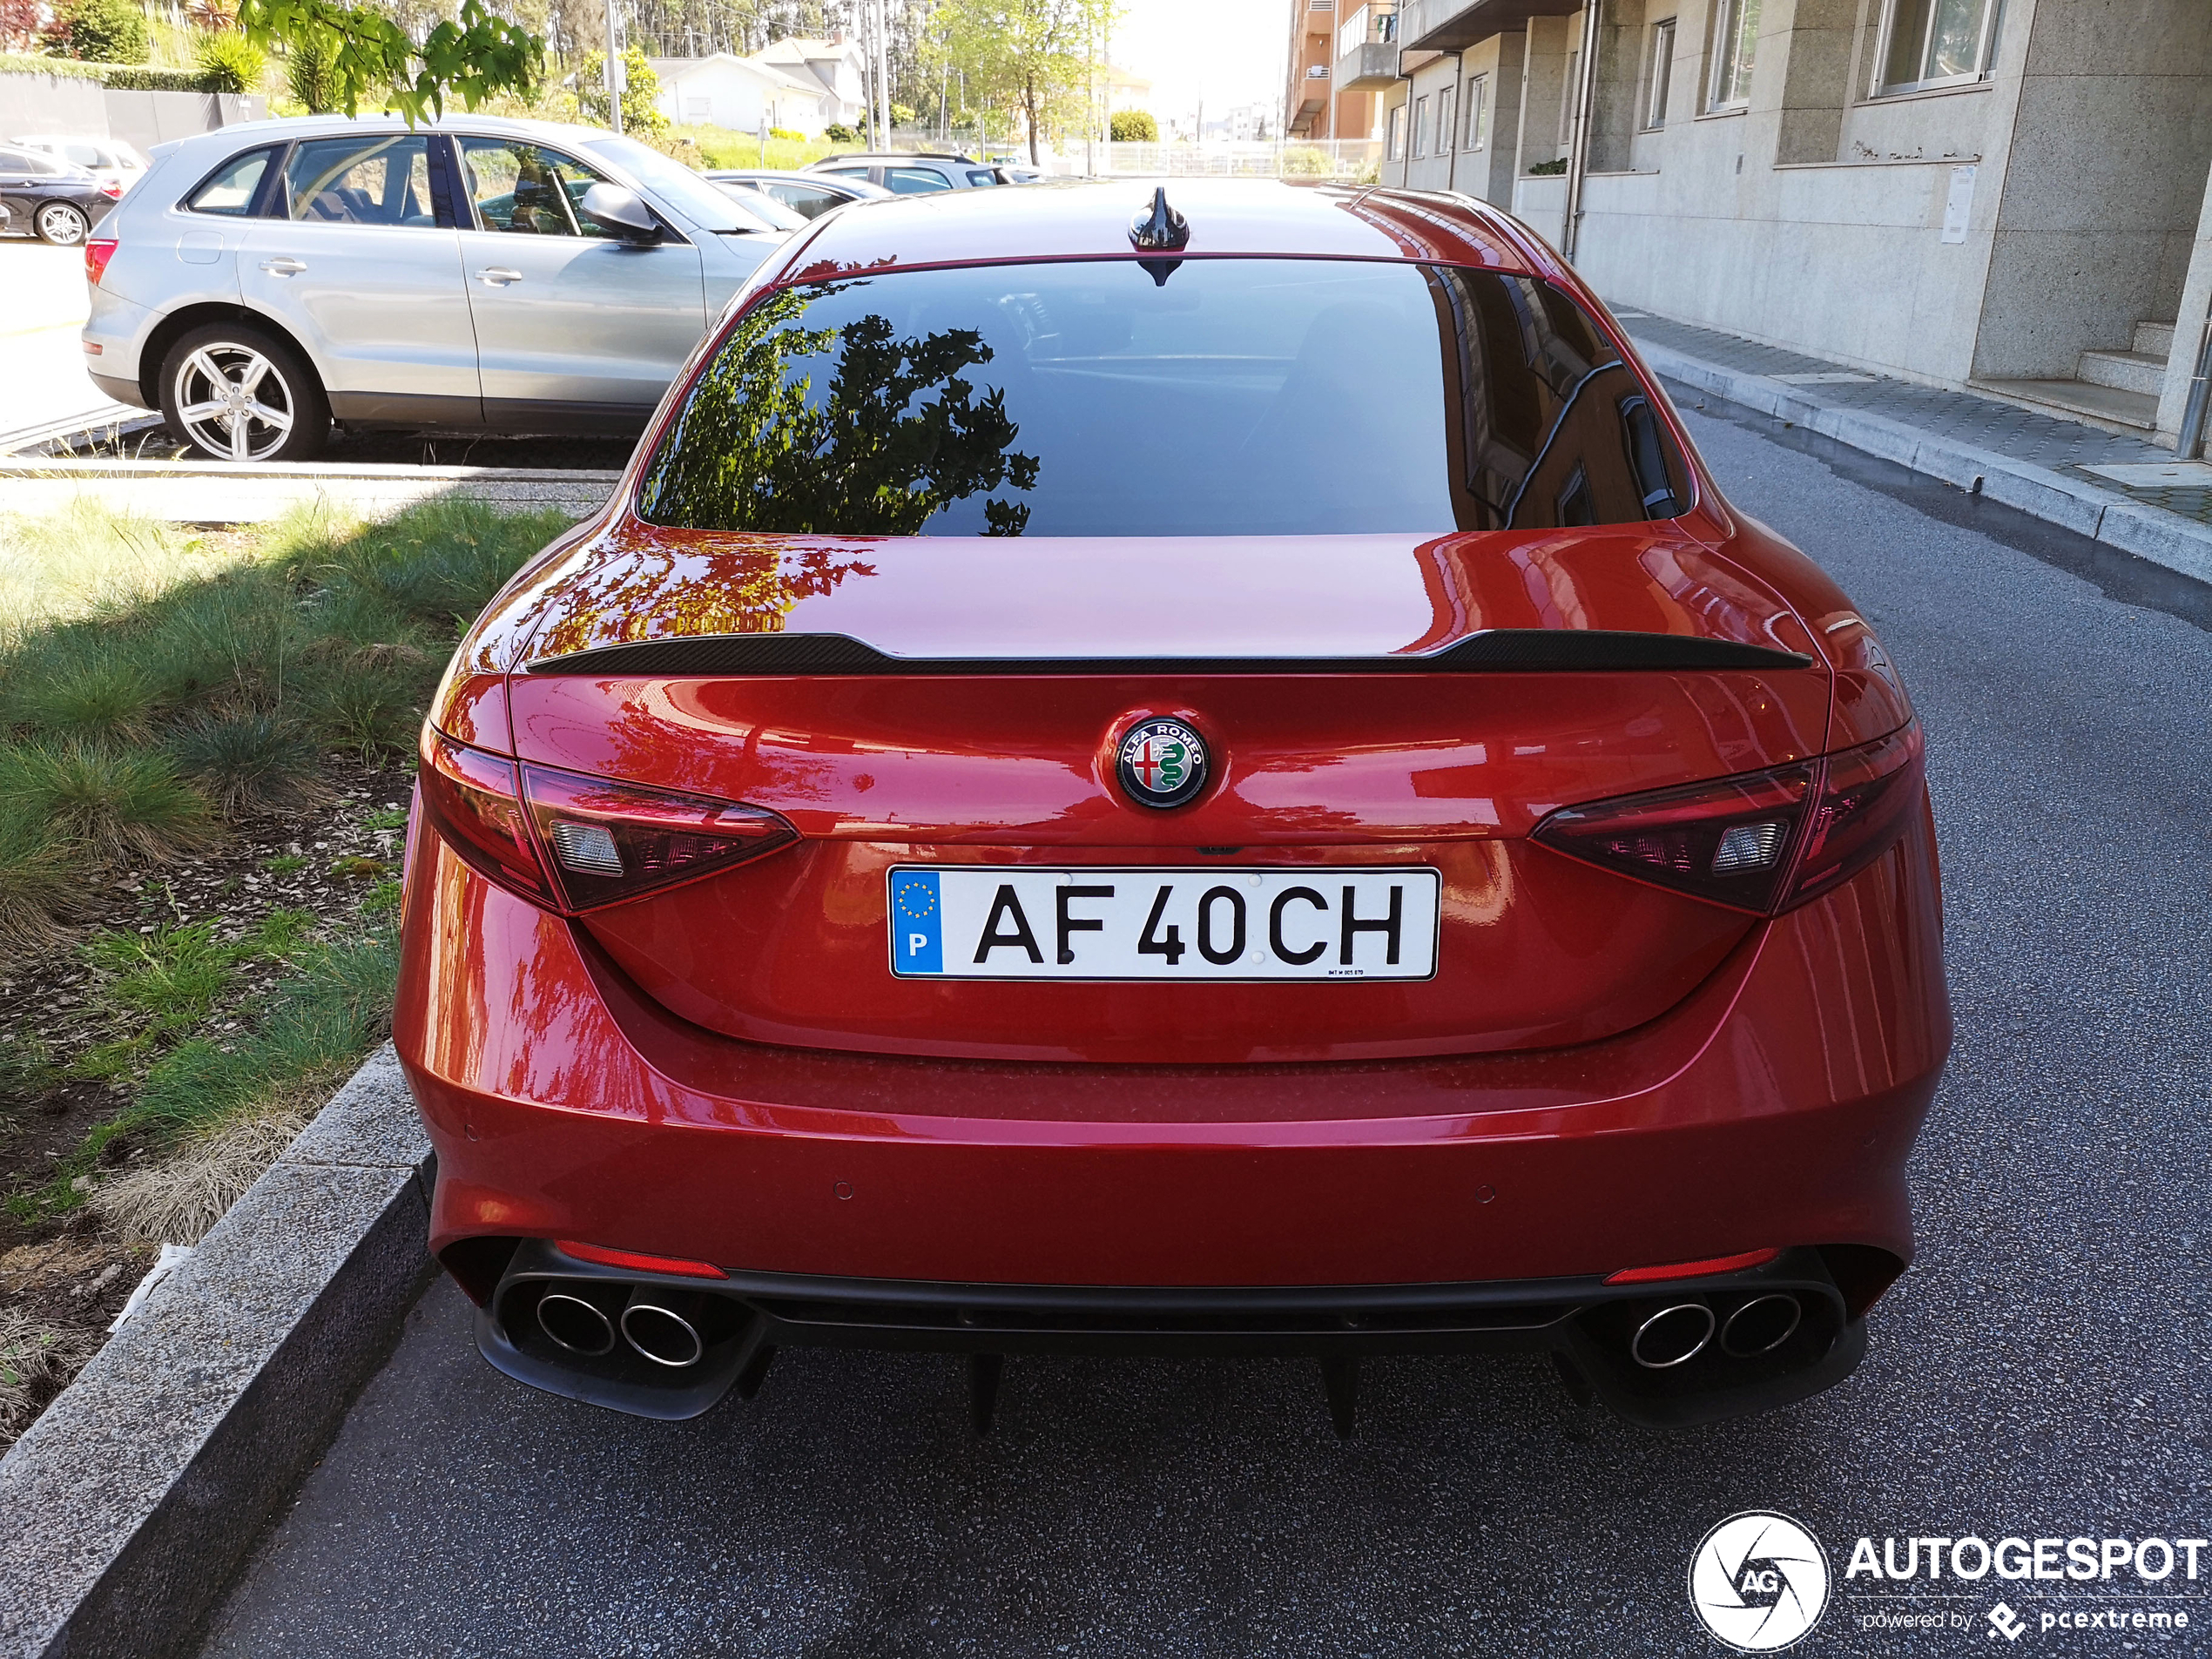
(1478, 112)
(1444, 127)
(1735, 43)
(1662, 68)
(1420, 127)
(1394, 138)
(1937, 42)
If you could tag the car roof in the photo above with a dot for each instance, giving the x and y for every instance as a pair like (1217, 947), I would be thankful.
(894, 158)
(1090, 219)
(244, 135)
(785, 173)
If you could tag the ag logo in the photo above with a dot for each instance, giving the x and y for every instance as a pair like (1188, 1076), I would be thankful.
(1759, 1581)
(1162, 763)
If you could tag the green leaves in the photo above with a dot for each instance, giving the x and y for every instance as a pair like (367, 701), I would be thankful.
(371, 59)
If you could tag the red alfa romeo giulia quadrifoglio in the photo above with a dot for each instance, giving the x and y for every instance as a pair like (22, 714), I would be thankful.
(1203, 775)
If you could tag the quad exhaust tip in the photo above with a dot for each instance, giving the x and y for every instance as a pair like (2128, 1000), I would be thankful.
(1673, 1336)
(572, 1323)
(1762, 1325)
(662, 1335)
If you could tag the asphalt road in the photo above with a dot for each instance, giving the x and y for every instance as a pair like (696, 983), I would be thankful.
(2041, 1372)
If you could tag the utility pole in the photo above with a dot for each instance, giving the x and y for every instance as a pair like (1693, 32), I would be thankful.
(614, 69)
(883, 66)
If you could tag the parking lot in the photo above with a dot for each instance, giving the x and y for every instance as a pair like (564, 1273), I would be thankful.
(2038, 1373)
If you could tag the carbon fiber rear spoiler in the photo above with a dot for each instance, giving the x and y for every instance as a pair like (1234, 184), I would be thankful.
(1501, 650)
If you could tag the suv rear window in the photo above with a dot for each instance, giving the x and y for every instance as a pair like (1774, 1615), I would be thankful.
(232, 187)
(1164, 398)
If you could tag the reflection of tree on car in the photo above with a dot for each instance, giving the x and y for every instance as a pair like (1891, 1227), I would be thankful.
(755, 447)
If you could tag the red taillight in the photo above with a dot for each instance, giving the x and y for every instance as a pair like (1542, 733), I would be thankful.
(574, 843)
(471, 799)
(98, 253)
(112, 189)
(1763, 842)
(605, 841)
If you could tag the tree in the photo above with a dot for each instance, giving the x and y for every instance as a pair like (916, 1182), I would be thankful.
(1039, 57)
(20, 22)
(373, 58)
(1133, 126)
(228, 63)
(640, 92)
(311, 76)
(100, 31)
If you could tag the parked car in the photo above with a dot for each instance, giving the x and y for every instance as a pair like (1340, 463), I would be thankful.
(808, 194)
(115, 164)
(478, 273)
(913, 173)
(1001, 835)
(57, 201)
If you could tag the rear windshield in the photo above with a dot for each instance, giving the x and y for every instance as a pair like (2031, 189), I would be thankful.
(1205, 397)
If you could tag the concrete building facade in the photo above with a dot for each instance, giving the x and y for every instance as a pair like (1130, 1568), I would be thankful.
(2008, 195)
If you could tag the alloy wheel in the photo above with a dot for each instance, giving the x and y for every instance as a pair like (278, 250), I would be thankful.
(234, 401)
(61, 224)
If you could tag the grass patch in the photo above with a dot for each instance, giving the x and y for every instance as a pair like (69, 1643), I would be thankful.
(159, 692)
(35, 1361)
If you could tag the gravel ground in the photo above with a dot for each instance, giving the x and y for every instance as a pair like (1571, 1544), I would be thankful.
(2040, 1372)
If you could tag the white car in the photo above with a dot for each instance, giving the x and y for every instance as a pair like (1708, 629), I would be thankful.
(115, 164)
(475, 274)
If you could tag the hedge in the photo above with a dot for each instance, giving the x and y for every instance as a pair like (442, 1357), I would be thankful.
(117, 78)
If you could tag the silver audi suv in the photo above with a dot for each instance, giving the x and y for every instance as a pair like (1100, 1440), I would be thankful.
(480, 274)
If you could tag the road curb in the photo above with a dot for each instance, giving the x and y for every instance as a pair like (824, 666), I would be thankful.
(126, 1507)
(2163, 538)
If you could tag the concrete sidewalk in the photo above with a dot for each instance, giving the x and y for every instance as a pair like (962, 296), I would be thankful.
(254, 492)
(2117, 491)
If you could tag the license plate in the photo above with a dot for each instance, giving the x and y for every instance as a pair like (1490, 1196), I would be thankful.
(1149, 923)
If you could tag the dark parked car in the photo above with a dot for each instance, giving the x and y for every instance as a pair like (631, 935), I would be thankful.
(57, 201)
(809, 194)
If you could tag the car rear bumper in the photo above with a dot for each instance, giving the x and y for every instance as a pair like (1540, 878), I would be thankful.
(1774, 1108)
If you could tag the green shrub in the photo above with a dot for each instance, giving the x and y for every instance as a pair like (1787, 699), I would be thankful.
(1133, 126)
(228, 62)
(113, 804)
(247, 763)
(104, 31)
(136, 80)
(838, 132)
(311, 74)
(787, 135)
(1307, 161)
(1546, 169)
(97, 692)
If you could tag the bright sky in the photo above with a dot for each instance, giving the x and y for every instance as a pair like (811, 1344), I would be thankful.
(1226, 51)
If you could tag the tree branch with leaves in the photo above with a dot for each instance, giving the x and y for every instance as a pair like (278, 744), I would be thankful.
(372, 60)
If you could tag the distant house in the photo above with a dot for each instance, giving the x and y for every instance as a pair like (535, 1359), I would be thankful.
(725, 91)
(837, 68)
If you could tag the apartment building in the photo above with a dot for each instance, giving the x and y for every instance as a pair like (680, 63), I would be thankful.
(1314, 106)
(2004, 195)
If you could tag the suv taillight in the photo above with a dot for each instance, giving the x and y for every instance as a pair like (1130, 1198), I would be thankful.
(574, 843)
(1764, 841)
(98, 253)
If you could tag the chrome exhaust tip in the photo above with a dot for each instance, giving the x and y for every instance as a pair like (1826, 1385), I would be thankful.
(1672, 1336)
(1762, 1325)
(661, 1334)
(572, 1323)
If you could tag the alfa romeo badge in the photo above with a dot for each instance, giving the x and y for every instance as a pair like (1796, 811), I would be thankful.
(1162, 763)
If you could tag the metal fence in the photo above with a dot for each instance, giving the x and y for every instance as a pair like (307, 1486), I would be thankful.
(1346, 160)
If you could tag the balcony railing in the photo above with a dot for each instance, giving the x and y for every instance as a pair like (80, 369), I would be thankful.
(1373, 24)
